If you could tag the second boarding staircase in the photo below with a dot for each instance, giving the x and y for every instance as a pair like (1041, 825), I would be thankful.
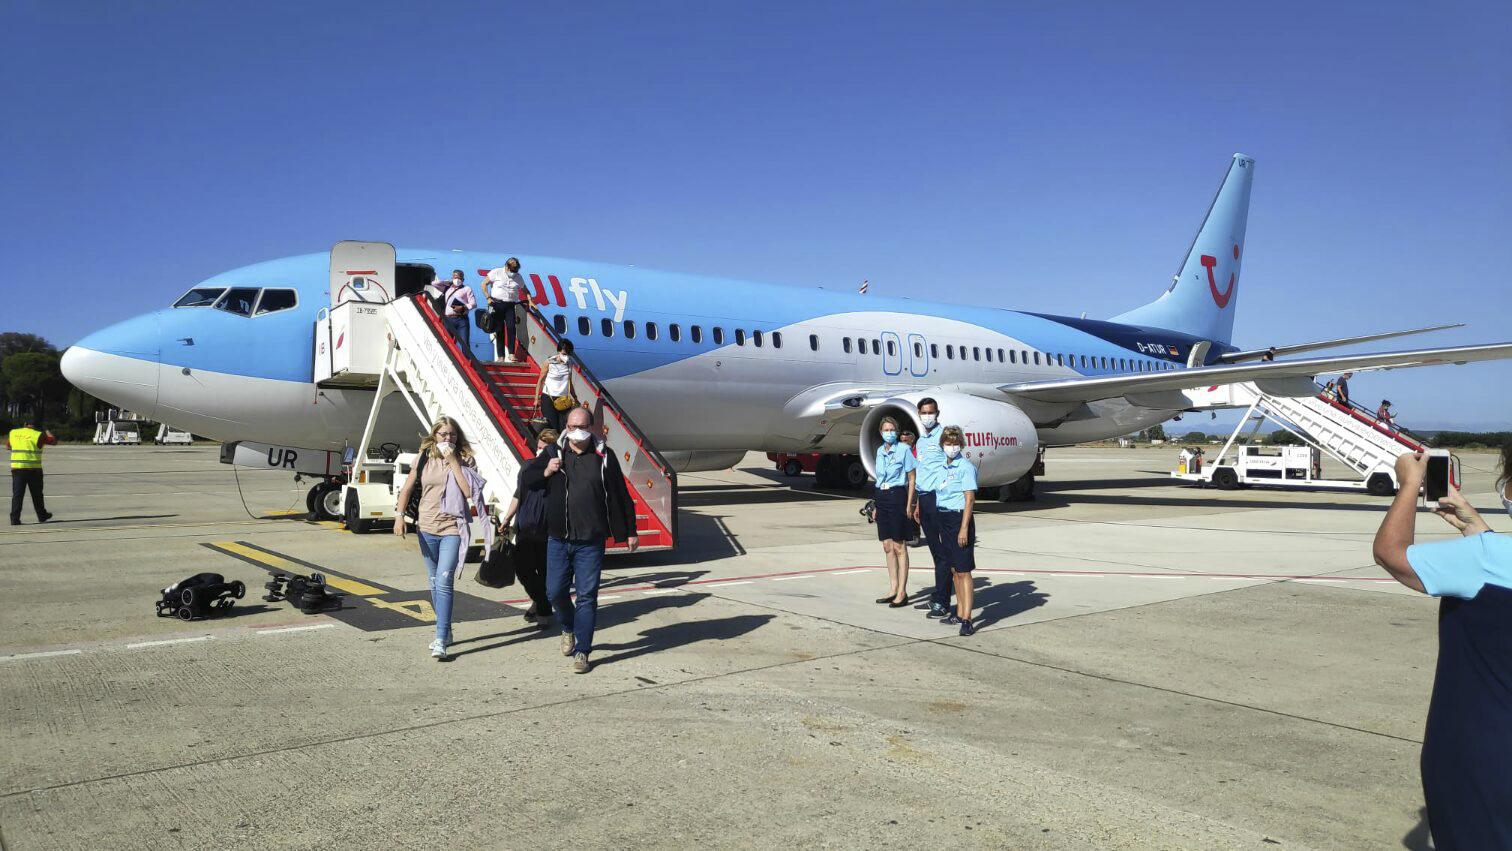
(496, 403)
(1346, 431)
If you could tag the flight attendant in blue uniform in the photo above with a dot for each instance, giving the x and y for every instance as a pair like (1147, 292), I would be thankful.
(931, 464)
(955, 499)
(894, 500)
(1467, 744)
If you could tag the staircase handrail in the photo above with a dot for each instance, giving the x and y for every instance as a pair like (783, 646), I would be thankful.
(486, 392)
(1360, 413)
(629, 425)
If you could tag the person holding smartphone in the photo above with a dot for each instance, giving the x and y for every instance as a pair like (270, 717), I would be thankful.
(1467, 743)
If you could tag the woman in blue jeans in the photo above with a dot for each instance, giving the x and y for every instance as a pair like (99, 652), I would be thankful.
(444, 455)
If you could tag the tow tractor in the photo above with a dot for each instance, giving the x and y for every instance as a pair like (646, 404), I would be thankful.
(372, 488)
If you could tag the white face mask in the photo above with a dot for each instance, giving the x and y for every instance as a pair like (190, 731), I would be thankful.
(578, 435)
(952, 450)
(929, 420)
(1507, 504)
(445, 449)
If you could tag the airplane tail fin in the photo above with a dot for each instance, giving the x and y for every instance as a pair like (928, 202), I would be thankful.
(1204, 295)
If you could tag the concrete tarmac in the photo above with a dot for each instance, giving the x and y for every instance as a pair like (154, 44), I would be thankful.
(1158, 667)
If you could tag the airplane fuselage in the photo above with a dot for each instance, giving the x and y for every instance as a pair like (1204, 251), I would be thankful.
(701, 364)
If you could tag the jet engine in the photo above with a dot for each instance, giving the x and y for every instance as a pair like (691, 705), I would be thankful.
(1000, 439)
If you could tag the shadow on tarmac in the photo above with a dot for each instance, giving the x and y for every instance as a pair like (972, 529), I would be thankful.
(1000, 602)
(1417, 839)
(609, 614)
(57, 522)
(681, 635)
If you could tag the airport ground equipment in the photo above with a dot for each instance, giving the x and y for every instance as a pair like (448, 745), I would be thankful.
(167, 435)
(415, 359)
(1347, 432)
(200, 596)
(308, 593)
(118, 427)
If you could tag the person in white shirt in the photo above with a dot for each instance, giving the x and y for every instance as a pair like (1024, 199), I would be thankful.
(555, 383)
(506, 292)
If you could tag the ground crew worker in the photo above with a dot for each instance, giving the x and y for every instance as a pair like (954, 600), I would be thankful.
(26, 445)
(931, 469)
(895, 466)
(955, 500)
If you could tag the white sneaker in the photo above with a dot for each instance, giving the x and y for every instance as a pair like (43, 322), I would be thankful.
(509, 359)
(437, 649)
(569, 645)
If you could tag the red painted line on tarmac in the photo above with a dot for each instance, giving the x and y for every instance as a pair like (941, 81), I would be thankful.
(1278, 577)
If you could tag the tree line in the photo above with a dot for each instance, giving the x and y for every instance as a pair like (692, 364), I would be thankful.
(32, 387)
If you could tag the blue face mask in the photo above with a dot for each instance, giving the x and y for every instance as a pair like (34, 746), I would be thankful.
(890, 437)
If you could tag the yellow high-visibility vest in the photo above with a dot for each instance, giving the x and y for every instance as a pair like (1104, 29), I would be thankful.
(26, 449)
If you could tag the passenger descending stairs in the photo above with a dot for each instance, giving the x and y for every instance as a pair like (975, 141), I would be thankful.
(496, 403)
(1347, 432)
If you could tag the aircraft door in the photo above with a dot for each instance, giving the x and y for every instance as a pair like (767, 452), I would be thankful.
(892, 353)
(918, 356)
(362, 271)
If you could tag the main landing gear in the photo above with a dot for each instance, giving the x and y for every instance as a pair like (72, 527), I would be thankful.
(840, 472)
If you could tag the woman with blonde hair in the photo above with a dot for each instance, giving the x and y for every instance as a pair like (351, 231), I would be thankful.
(894, 498)
(441, 486)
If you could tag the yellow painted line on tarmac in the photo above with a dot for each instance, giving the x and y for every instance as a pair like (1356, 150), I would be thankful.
(351, 586)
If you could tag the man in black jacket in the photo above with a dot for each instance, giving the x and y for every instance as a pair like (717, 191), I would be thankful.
(586, 502)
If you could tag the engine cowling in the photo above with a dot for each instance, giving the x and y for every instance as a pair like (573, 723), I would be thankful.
(1000, 439)
(703, 460)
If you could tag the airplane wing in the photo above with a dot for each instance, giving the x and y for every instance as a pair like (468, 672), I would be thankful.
(1256, 354)
(1283, 378)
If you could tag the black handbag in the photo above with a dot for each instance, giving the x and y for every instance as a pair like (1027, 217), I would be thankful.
(498, 567)
(486, 320)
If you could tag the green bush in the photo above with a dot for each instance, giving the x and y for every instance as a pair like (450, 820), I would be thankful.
(1467, 439)
(1282, 437)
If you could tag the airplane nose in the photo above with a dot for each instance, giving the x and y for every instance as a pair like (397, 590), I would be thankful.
(118, 364)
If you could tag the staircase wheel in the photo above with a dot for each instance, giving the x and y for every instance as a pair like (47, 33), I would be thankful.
(792, 468)
(1379, 484)
(1224, 478)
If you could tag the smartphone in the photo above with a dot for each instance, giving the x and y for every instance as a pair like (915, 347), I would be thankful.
(1443, 471)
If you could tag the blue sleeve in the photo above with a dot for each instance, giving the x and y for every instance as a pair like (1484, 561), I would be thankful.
(968, 477)
(909, 463)
(1452, 568)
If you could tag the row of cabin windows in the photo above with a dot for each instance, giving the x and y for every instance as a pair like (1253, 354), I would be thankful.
(652, 331)
(860, 345)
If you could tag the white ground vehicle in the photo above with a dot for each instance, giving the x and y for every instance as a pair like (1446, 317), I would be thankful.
(373, 487)
(167, 435)
(117, 427)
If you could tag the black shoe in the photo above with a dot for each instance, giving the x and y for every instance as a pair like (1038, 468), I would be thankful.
(936, 611)
(951, 620)
(44, 518)
(967, 628)
(887, 599)
(894, 604)
(15, 522)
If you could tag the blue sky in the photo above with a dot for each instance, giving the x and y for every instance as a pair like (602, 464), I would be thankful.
(1050, 157)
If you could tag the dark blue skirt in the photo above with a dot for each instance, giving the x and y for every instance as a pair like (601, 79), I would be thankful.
(1467, 747)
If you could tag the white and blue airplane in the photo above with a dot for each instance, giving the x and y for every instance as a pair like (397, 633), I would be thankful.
(710, 368)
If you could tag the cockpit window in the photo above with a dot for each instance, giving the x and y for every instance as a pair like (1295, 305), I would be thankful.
(238, 300)
(199, 297)
(273, 301)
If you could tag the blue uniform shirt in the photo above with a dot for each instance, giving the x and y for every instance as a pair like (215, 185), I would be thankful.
(894, 463)
(1460, 567)
(956, 478)
(931, 459)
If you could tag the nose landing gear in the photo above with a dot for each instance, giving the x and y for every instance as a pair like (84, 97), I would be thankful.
(324, 500)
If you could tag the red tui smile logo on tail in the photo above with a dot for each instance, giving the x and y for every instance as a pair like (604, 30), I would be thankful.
(1220, 298)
